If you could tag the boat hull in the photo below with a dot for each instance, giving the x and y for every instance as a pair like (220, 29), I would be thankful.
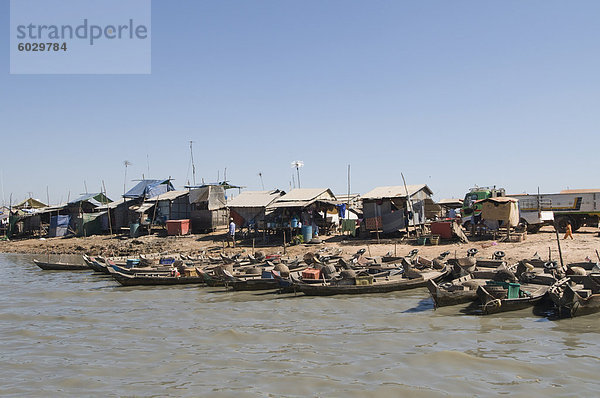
(444, 298)
(61, 266)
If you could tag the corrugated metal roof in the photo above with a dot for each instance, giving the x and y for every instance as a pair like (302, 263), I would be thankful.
(144, 206)
(344, 197)
(301, 203)
(171, 195)
(580, 191)
(290, 203)
(397, 191)
(255, 198)
(306, 194)
(112, 205)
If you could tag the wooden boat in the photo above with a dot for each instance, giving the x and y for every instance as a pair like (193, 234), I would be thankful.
(137, 270)
(382, 284)
(61, 266)
(251, 284)
(209, 278)
(503, 297)
(157, 279)
(94, 264)
(464, 289)
(459, 291)
(576, 295)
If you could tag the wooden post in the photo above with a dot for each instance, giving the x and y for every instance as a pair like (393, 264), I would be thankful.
(252, 246)
(409, 205)
(394, 249)
(107, 209)
(348, 200)
(559, 249)
(377, 224)
(369, 249)
(154, 216)
(283, 241)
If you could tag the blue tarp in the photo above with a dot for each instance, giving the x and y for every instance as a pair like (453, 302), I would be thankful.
(149, 189)
(59, 225)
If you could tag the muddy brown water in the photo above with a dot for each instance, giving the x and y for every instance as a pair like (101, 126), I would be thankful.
(81, 334)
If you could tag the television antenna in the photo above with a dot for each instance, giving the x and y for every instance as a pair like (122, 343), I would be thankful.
(297, 164)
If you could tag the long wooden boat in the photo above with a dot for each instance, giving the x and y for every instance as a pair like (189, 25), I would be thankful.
(138, 270)
(494, 300)
(459, 291)
(464, 289)
(61, 266)
(576, 295)
(209, 278)
(150, 279)
(94, 264)
(252, 284)
(379, 285)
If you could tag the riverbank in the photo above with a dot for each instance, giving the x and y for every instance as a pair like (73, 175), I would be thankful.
(584, 245)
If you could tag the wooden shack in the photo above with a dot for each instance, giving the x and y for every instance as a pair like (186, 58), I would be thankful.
(249, 209)
(306, 205)
(208, 208)
(390, 208)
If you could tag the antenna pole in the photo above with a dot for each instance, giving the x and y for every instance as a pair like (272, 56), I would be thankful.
(125, 163)
(193, 165)
(348, 201)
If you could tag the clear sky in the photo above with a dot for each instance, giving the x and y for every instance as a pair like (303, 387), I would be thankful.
(450, 93)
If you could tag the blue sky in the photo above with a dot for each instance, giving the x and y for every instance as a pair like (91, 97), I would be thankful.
(450, 93)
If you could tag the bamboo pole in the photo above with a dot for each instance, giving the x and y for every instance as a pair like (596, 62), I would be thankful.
(559, 249)
(409, 204)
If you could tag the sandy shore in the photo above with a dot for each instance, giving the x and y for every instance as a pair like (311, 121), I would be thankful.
(584, 245)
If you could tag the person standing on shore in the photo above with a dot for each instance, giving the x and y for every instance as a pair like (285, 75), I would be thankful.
(231, 232)
(569, 231)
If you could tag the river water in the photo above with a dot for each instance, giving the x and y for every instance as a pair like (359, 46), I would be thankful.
(81, 334)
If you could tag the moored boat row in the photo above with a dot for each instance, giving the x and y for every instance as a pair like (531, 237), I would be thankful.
(485, 286)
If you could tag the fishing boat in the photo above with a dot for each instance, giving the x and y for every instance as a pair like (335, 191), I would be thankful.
(96, 265)
(138, 270)
(576, 295)
(458, 291)
(508, 296)
(369, 284)
(261, 282)
(155, 279)
(61, 266)
(464, 289)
